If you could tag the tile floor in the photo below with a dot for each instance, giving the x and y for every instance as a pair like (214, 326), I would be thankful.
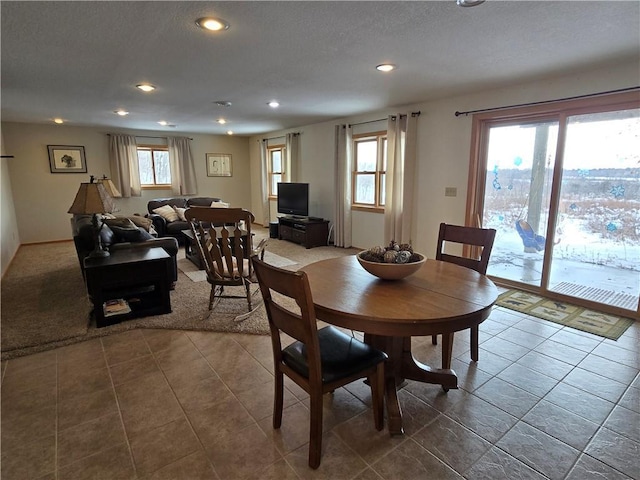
(542, 402)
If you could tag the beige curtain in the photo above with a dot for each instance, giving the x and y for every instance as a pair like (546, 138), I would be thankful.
(400, 178)
(183, 174)
(342, 186)
(264, 183)
(293, 157)
(123, 161)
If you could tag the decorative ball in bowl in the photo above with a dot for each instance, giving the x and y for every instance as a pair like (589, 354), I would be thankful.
(392, 262)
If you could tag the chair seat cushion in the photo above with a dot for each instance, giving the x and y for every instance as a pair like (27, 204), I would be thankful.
(236, 274)
(341, 355)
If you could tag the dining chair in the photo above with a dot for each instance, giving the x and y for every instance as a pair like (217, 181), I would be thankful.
(481, 242)
(319, 361)
(224, 243)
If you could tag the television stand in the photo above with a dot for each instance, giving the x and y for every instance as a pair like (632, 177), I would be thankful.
(309, 232)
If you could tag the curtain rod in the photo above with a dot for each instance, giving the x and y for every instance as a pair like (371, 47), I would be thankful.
(413, 114)
(280, 136)
(457, 114)
(370, 121)
(147, 136)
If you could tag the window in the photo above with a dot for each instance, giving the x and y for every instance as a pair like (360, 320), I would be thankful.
(276, 168)
(559, 183)
(370, 164)
(154, 167)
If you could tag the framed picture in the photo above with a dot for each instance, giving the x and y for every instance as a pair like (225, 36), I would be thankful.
(218, 164)
(67, 159)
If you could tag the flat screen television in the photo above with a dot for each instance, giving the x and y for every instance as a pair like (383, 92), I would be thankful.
(293, 199)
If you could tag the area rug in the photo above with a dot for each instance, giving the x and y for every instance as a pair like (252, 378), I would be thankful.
(598, 323)
(45, 305)
(187, 267)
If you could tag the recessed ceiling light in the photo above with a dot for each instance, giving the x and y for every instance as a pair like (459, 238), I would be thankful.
(386, 67)
(222, 121)
(223, 103)
(273, 104)
(59, 121)
(122, 113)
(146, 87)
(229, 132)
(213, 23)
(469, 3)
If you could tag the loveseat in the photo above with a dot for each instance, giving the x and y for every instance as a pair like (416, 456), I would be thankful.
(167, 221)
(119, 234)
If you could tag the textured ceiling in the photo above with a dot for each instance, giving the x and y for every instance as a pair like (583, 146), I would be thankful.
(81, 60)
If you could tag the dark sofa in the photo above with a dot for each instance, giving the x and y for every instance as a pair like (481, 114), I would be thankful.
(174, 228)
(83, 238)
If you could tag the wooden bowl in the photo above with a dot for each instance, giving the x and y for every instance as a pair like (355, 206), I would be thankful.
(391, 271)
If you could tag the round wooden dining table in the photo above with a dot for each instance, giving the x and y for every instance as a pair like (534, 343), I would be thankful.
(440, 298)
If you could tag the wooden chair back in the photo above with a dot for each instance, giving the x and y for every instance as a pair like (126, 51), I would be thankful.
(481, 239)
(224, 242)
(298, 325)
(477, 245)
(343, 360)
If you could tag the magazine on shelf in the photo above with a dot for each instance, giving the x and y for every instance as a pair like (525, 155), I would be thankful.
(117, 306)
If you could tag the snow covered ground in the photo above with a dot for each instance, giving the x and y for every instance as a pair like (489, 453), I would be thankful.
(579, 257)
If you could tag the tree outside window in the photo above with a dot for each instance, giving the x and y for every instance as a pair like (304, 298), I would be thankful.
(154, 166)
(276, 168)
(370, 164)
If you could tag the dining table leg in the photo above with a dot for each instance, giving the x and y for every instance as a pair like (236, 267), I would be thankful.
(402, 365)
(447, 350)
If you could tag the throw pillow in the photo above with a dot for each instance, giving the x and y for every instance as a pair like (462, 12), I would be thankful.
(140, 221)
(121, 222)
(126, 235)
(180, 211)
(216, 204)
(167, 212)
(123, 229)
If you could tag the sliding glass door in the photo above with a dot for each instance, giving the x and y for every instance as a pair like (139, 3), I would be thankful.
(518, 180)
(562, 188)
(596, 253)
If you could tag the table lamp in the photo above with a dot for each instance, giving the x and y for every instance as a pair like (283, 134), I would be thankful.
(110, 186)
(111, 190)
(93, 198)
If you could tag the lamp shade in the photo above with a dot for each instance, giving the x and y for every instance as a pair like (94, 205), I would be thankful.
(92, 198)
(110, 186)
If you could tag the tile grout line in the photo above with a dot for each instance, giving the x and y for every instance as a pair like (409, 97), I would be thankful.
(115, 395)
(184, 413)
(282, 456)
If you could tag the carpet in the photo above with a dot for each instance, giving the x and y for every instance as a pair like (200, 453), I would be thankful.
(602, 324)
(187, 267)
(45, 305)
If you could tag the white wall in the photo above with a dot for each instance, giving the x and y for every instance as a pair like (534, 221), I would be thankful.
(42, 198)
(443, 150)
(317, 170)
(9, 237)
